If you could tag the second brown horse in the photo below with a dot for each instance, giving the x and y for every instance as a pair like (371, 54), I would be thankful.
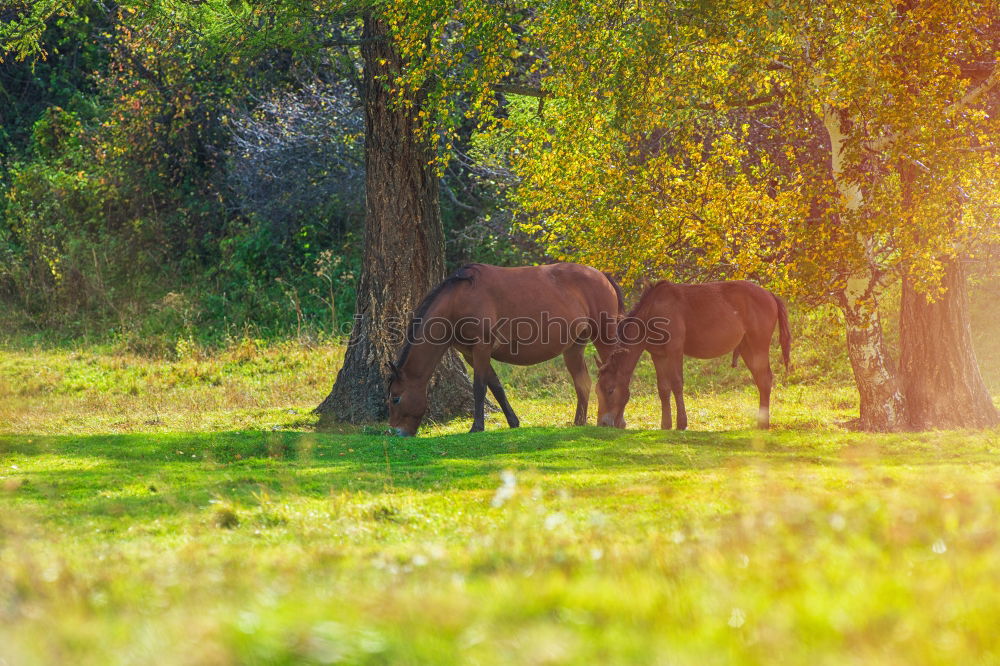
(700, 320)
(520, 315)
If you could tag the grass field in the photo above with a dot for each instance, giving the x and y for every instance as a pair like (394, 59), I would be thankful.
(184, 510)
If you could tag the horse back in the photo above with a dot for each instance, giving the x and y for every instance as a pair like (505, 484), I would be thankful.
(710, 319)
(757, 307)
(534, 313)
(564, 290)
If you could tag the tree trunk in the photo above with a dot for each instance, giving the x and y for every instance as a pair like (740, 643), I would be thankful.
(940, 375)
(882, 406)
(403, 250)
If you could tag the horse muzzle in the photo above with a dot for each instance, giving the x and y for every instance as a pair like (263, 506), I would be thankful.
(399, 432)
(608, 420)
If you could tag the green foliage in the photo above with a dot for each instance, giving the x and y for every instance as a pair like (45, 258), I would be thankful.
(96, 207)
(308, 290)
(207, 152)
(73, 49)
(22, 32)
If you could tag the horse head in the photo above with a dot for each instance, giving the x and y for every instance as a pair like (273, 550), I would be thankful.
(407, 400)
(612, 389)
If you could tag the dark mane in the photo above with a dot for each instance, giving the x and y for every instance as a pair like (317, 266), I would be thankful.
(466, 273)
(618, 292)
(646, 297)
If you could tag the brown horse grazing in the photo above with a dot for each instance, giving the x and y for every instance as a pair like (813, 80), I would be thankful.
(515, 315)
(699, 320)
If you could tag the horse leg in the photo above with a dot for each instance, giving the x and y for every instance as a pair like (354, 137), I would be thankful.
(493, 382)
(577, 367)
(759, 362)
(661, 362)
(677, 379)
(480, 370)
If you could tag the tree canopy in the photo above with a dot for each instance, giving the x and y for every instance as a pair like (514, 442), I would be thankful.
(712, 130)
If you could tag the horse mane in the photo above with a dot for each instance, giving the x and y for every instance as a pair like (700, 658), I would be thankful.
(644, 299)
(466, 274)
(618, 292)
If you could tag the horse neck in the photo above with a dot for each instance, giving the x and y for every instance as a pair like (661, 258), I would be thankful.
(627, 361)
(424, 356)
(423, 359)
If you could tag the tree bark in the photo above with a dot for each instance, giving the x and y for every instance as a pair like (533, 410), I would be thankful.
(403, 248)
(938, 368)
(882, 405)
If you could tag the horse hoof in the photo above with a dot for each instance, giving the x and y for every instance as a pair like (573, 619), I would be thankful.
(514, 424)
(476, 429)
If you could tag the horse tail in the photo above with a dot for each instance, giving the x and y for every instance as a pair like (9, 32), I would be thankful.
(618, 292)
(784, 334)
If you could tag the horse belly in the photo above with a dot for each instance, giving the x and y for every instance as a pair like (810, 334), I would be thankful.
(527, 354)
(523, 337)
(713, 337)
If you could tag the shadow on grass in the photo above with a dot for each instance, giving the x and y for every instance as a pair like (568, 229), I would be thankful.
(156, 475)
(603, 446)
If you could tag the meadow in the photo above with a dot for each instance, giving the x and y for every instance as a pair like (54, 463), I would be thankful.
(183, 508)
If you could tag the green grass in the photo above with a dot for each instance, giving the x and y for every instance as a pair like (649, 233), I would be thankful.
(185, 511)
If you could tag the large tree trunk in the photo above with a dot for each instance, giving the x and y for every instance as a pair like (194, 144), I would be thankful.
(940, 375)
(882, 406)
(403, 251)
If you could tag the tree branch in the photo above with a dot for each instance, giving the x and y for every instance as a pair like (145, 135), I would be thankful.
(454, 199)
(740, 103)
(533, 91)
(515, 89)
(351, 42)
(967, 100)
